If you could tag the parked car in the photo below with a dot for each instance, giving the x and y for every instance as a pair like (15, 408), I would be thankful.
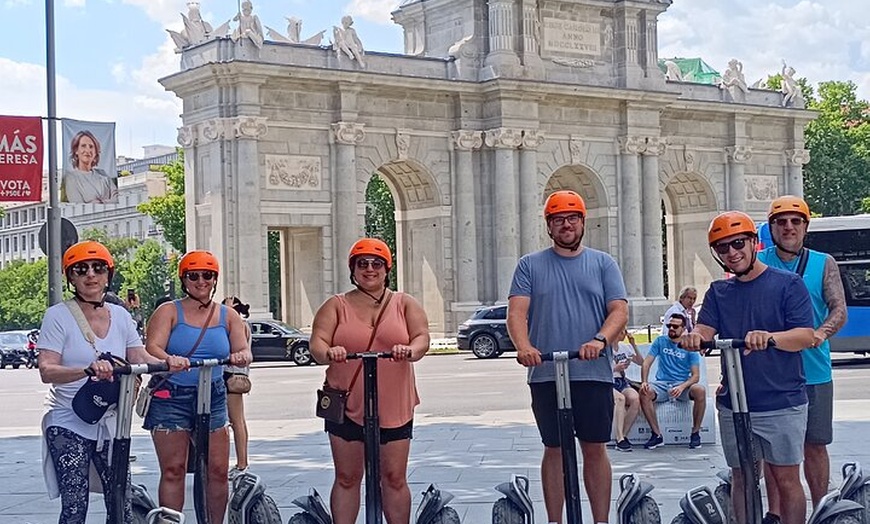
(13, 349)
(275, 340)
(485, 333)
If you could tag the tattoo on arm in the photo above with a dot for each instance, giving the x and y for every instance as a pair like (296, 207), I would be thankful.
(835, 298)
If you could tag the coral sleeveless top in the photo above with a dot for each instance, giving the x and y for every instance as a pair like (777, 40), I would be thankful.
(397, 390)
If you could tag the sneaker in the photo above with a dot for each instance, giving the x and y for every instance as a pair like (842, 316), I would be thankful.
(695, 441)
(235, 472)
(770, 518)
(623, 445)
(654, 442)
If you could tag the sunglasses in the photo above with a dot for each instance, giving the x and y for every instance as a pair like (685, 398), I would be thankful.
(673, 326)
(81, 268)
(364, 263)
(723, 247)
(193, 276)
(571, 219)
(795, 221)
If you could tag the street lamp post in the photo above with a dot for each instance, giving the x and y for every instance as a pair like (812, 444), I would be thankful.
(55, 278)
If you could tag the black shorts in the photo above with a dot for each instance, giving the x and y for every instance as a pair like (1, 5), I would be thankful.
(592, 404)
(353, 432)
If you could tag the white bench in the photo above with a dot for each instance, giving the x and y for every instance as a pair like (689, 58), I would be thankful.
(675, 417)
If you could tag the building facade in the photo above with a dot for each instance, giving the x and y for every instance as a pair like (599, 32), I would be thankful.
(494, 105)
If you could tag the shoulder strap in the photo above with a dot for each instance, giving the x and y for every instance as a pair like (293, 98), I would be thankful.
(371, 339)
(79, 316)
(202, 331)
(802, 262)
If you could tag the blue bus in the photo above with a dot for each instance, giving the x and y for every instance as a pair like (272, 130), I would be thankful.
(847, 239)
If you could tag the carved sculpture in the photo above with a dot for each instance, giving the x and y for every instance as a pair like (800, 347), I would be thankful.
(673, 71)
(791, 91)
(196, 30)
(455, 52)
(294, 34)
(249, 25)
(734, 81)
(347, 42)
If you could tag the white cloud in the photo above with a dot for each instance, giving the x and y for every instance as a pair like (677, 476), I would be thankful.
(165, 12)
(74, 3)
(14, 3)
(377, 11)
(144, 116)
(814, 37)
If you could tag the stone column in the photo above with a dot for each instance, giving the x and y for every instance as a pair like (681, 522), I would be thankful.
(530, 205)
(796, 160)
(531, 35)
(464, 143)
(737, 158)
(653, 281)
(251, 236)
(630, 221)
(347, 135)
(505, 142)
(502, 34)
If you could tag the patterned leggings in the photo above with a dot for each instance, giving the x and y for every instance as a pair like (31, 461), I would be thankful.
(72, 455)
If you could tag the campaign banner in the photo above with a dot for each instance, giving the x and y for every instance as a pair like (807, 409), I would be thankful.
(90, 175)
(21, 155)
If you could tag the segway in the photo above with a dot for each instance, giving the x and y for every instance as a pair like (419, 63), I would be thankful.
(634, 505)
(516, 506)
(565, 417)
(856, 487)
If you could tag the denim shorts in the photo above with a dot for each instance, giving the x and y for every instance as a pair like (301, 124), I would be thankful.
(178, 412)
(663, 391)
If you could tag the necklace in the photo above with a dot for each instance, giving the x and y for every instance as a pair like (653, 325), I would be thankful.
(377, 300)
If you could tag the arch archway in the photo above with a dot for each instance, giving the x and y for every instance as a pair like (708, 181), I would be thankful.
(690, 204)
(422, 225)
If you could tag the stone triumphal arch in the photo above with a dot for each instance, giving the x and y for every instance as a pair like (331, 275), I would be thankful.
(495, 104)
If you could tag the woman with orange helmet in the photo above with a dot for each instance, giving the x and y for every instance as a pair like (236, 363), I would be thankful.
(74, 436)
(194, 327)
(371, 318)
(765, 307)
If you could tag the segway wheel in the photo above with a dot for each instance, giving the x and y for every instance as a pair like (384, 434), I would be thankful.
(647, 512)
(506, 512)
(447, 515)
(681, 518)
(264, 511)
(723, 497)
(302, 518)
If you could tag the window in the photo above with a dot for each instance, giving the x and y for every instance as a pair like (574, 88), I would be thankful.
(15, 244)
(33, 214)
(42, 213)
(32, 241)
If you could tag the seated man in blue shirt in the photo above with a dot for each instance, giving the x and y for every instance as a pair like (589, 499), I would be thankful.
(676, 379)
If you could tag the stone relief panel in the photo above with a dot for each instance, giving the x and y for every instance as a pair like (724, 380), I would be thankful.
(689, 193)
(302, 173)
(761, 188)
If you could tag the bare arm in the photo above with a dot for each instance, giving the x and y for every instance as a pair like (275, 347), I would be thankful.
(322, 330)
(240, 353)
(518, 329)
(52, 372)
(418, 328)
(159, 327)
(835, 298)
(614, 323)
(645, 367)
(694, 377)
(637, 358)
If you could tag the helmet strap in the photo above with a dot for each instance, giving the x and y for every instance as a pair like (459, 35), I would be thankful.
(729, 270)
(202, 304)
(97, 304)
(571, 247)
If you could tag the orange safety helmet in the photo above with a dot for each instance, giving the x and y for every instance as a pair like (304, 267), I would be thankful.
(730, 223)
(564, 202)
(197, 260)
(371, 246)
(789, 204)
(87, 250)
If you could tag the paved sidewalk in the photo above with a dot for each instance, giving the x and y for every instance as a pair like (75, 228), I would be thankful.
(466, 456)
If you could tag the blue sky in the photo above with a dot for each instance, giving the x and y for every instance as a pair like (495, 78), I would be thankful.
(111, 52)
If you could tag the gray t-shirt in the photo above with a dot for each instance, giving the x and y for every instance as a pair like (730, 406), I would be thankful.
(569, 297)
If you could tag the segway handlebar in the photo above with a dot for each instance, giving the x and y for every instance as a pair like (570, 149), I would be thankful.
(730, 343)
(572, 353)
(369, 354)
(209, 362)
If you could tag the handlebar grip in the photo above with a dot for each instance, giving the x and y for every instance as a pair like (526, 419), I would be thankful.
(213, 362)
(731, 343)
(572, 353)
(378, 354)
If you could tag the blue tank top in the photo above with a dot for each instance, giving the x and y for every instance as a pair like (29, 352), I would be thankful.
(215, 344)
(817, 361)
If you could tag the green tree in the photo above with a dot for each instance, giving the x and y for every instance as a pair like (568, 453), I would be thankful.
(122, 250)
(865, 205)
(168, 210)
(274, 247)
(380, 220)
(147, 273)
(837, 177)
(25, 286)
